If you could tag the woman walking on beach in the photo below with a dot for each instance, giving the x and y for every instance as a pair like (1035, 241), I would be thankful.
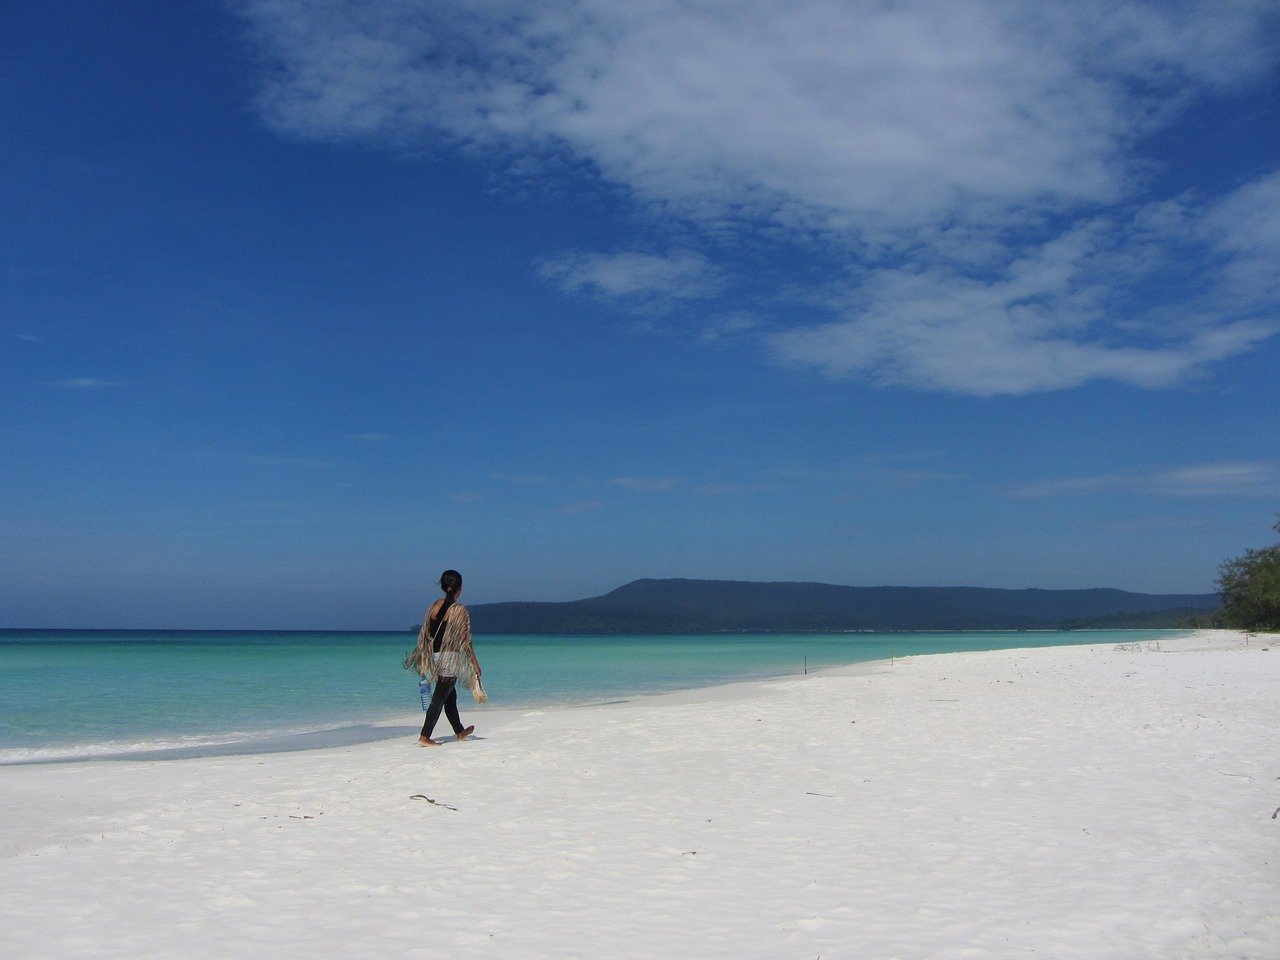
(444, 655)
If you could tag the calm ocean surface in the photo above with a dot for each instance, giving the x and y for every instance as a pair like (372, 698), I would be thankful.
(68, 695)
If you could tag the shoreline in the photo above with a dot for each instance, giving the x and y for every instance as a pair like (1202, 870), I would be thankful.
(387, 724)
(1064, 801)
(408, 725)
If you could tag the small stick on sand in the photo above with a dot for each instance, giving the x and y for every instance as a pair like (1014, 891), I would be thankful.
(423, 796)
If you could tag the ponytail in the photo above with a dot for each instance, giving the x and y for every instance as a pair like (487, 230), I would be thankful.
(451, 583)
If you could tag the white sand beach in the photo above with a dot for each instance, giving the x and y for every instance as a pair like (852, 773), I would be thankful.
(1059, 802)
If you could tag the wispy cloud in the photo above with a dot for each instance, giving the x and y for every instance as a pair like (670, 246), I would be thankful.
(634, 276)
(26, 337)
(974, 167)
(466, 496)
(1046, 318)
(86, 383)
(371, 437)
(1200, 480)
(897, 113)
(732, 328)
(1243, 228)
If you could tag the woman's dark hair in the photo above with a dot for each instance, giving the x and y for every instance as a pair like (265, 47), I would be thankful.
(450, 582)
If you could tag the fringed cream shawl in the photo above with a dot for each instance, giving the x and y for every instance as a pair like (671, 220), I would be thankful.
(456, 657)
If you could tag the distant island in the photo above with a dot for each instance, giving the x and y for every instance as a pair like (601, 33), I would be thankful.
(731, 606)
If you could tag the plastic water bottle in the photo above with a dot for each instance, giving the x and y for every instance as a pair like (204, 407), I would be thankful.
(424, 692)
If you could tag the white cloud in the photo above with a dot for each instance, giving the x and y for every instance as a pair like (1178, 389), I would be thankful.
(731, 328)
(893, 113)
(941, 332)
(27, 337)
(371, 437)
(704, 489)
(1245, 228)
(1140, 299)
(973, 161)
(1230, 479)
(85, 383)
(634, 275)
(1219, 479)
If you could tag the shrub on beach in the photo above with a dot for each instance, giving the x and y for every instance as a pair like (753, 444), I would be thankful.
(1250, 587)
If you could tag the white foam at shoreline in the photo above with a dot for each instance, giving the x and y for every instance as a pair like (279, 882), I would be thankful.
(123, 736)
(201, 745)
(1060, 802)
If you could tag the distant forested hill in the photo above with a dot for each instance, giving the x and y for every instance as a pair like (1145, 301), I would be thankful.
(716, 606)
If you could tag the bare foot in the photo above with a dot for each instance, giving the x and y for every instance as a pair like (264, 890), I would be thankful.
(428, 742)
(465, 732)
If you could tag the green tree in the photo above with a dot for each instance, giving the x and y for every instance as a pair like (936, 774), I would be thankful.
(1250, 587)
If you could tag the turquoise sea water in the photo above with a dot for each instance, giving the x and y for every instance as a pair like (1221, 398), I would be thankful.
(67, 695)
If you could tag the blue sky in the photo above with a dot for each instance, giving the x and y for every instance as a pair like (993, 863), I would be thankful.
(305, 301)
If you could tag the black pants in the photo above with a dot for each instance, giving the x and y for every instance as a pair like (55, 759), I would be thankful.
(444, 695)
